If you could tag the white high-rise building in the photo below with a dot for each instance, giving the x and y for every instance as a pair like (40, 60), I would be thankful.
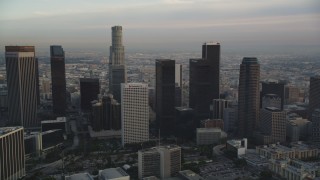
(134, 113)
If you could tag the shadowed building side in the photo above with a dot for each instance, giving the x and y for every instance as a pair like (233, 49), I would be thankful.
(165, 95)
(58, 76)
(21, 69)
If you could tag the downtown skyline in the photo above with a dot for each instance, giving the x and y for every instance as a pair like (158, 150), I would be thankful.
(164, 24)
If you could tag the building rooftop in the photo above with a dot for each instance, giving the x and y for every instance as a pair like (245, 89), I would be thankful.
(7, 130)
(184, 109)
(200, 130)
(236, 142)
(150, 178)
(50, 131)
(56, 50)
(89, 80)
(20, 48)
(273, 109)
(273, 96)
(276, 148)
(155, 149)
(190, 175)
(112, 173)
(211, 43)
(250, 60)
(80, 176)
(58, 120)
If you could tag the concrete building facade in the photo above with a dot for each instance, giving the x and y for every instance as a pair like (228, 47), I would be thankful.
(162, 162)
(134, 113)
(12, 155)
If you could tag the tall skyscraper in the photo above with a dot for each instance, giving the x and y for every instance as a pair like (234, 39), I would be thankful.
(12, 157)
(178, 87)
(134, 113)
(249, 101)
(211, 52)
(22, 85)
(89, 89)
(165, 95)
(58, 76)
(117, 67)
(200, 91)
(314, 94)
(205, 80)
(276, 88)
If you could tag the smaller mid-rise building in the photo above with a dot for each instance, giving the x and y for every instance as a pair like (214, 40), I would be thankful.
(316, 126)
(33, 144)
(297, 150)
(189, 175)
(237, 148)
(272, 126)
(113, 174)
(82, 176)
(162, 162)
(206, 136)
(212, 123)
(298, 129)
(59, 123)
(293, 169)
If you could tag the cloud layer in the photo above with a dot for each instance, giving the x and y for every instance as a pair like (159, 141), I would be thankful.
(161, 23)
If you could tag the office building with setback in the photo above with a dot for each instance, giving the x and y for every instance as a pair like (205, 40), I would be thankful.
(165, 95)
(249, 101)
(58, 76)
(204, 80)
(21, 70)
(12, 155)
(134, 113)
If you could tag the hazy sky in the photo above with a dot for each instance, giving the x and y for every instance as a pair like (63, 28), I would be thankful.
(162, 24)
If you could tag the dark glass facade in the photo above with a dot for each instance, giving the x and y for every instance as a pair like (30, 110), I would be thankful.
(58, 76)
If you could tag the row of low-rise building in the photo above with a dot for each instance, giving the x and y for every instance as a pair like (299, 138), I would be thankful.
(293, 169)
(297, 150)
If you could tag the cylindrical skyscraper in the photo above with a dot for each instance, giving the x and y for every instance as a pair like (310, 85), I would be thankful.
(117, 68)
(248, 107)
